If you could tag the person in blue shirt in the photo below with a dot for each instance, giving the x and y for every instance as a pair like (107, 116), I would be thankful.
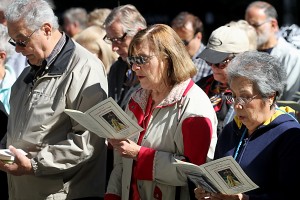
(7, 72)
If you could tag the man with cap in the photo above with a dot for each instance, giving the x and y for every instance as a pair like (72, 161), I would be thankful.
(224, 43)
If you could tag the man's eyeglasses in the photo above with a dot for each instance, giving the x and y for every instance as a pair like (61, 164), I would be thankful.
(187, 42)
(260, 24)
(21, 43)
(242, 101)
(138, 60)
(112, 40)
(222, 64)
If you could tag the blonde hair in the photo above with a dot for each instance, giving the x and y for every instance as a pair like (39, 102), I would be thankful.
(165, 42)
(91, 39)
(98, 16)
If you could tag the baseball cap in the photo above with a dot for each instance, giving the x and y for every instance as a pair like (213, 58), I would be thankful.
(224, 41)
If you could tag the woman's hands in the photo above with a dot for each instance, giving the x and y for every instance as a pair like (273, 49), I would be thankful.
(125, 147)
(200, 193)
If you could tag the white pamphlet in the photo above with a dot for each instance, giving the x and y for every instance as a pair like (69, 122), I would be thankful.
(223, 175)
(107, 120)
(7, 155)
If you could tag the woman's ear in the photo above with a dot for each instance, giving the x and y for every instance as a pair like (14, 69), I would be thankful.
(272, 98)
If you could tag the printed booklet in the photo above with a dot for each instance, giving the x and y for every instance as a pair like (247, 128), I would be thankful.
(107, 120)
(7, 156)
(223, 175)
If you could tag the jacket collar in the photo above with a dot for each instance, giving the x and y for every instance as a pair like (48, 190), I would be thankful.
(178, 91)
(59, 65)
(63, 58)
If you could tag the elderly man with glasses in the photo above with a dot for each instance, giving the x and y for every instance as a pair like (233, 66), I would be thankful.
(121, 25)
(64, 160)
(224, 43)
(263, 17)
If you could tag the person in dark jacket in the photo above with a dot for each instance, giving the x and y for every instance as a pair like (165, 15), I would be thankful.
(121, 25)
(263, 138)
(3, 128)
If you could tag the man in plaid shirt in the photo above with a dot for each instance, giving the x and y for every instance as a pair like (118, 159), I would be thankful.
(189, 28)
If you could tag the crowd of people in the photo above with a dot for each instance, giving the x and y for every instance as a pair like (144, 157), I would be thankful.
(196, 102)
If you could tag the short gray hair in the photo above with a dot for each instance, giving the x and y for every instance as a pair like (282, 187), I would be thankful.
(262, 69)
(77, 14)
(269, 10)
(34, 13)
(130, 18)
(4, 45)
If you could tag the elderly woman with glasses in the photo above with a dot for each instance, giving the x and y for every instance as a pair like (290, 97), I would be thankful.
(263, 138)
(224, 43)
(177, 117)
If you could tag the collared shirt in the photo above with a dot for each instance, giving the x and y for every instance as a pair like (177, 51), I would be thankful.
(38, 71)
(202, 67)
(58, 47)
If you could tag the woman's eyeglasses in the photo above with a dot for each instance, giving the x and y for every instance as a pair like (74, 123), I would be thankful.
(118, 40)
(222, 64)
(242, 101)
(138, 60)
(21, 43)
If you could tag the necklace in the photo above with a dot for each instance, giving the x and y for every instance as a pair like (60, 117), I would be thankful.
(239, 145)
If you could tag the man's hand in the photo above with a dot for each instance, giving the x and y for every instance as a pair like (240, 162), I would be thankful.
(20, 166)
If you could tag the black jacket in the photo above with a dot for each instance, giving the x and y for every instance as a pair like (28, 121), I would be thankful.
(3, 128)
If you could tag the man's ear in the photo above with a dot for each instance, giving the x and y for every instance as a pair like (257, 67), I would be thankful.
(47, 29)
(199, 35)
(274, 24)
(76, 25)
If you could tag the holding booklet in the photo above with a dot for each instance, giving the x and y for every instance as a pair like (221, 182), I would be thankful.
(7, 156)
(223, 175)
(107, 120)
